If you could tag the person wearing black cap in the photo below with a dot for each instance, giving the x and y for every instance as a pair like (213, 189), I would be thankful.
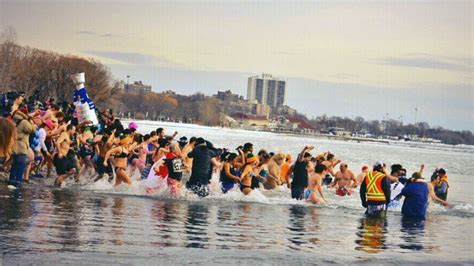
(201, 169)
(248, 148)
(396, 186)
(300, 173)
(182, 142)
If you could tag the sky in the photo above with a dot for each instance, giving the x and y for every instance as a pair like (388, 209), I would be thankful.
(374, 59)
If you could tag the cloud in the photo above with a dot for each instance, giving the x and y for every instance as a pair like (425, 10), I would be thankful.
(86, 32)
(429, 61)
(134, 58)
(98, 34)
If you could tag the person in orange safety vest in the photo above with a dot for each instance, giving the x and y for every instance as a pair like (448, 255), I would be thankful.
(375, 190)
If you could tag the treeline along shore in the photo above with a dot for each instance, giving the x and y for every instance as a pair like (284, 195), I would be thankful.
(44, 74)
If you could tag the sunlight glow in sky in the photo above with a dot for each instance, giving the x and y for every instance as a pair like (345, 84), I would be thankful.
(396, 54)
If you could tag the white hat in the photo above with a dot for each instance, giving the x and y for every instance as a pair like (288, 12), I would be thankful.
(78, 78)
(378, 163)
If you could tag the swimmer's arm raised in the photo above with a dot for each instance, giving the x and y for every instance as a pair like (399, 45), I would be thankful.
(422, 168)
(305, 149)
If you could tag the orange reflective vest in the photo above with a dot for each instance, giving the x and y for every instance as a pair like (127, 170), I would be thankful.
(373, 181)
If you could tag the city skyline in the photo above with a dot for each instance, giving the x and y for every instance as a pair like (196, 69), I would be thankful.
(342, 58)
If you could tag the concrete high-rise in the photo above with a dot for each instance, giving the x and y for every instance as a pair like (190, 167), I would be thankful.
(267, 90)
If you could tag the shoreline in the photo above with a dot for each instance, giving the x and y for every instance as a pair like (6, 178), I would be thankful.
(413, 144)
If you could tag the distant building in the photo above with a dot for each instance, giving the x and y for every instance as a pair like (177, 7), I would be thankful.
(120, 86)
(339, 131)
(286, 110)
(226, 96)
(261, 110)
(301, 125)
(267, 90)
(169, 92)
(252, 121)
(137, 87)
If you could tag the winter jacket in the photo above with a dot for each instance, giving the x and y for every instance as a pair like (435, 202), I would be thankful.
(23, 128)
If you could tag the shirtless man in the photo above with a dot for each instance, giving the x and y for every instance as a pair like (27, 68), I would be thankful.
(314, 183)
(188, 162)
(330, 162)
(64, 165)
(274, 171)
(432, 194)
(103, 143)
(161, 133)
(345, 180)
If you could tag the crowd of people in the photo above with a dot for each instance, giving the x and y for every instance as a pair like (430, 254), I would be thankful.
(37, 138)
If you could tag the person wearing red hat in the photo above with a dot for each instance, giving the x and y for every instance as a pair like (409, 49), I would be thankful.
(362, 174)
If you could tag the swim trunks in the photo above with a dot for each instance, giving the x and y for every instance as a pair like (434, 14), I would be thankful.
(63, 165)
(375, 210)
(343, 192)
(226, 186)
(242, 187)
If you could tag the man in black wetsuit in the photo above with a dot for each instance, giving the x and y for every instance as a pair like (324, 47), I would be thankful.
(201, 169)
(300, 173)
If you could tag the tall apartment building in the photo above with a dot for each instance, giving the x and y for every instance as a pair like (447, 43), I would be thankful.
(267, 90)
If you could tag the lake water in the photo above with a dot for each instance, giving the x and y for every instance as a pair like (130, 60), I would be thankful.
(95, 223)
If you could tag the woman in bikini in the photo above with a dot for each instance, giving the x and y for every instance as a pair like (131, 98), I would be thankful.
(251, 165)
(142, 152)
(121, 160)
